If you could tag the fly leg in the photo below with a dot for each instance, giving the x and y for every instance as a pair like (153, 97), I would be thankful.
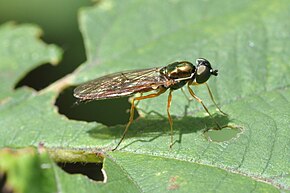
(188, 99)
(200, 101)
(138, 100)
(161, 90)
(169, 117)
(211, 96)
(135, 104)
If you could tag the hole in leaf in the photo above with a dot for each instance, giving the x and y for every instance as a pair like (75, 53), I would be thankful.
(91, 170)
(109, 112)
(39, 77)
(224, 134)
(4, 187)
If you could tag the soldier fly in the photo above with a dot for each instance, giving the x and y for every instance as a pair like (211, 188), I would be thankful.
(127, 83)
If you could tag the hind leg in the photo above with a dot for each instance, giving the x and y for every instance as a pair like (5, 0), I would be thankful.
(161, 90)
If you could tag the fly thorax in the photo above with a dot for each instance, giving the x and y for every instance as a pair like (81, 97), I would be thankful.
(179, 70)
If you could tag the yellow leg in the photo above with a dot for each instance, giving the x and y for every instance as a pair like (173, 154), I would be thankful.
(138, 101)
(188, 99)
(211, 96)
(161, 90)
(169, 116)
(200, 101)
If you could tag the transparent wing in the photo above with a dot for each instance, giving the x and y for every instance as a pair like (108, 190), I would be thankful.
(121, 84)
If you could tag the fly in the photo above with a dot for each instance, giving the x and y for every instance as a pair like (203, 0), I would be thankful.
(127, 83)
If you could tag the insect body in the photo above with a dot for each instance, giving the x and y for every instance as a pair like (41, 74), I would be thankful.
(128, 83)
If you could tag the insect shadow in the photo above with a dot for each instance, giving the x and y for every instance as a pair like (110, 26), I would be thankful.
(155, 126)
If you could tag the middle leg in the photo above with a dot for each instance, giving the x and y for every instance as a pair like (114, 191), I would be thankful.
(200, 101)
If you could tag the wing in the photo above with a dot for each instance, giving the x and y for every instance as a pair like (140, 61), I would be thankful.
(121, 84)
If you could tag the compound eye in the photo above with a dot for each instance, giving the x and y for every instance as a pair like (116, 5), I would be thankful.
(202, 74)
(202, 61)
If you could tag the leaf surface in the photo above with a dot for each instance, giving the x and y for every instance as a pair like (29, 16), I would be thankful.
(246, 41)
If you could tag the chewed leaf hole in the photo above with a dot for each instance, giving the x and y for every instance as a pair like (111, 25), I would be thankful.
(91, 170)
(4, 186)
(225, 134)
(109, 112)
(39, 77)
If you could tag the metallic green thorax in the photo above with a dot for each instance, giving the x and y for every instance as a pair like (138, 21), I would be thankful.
(178, 70)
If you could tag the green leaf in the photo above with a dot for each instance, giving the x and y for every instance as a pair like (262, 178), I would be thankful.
(246, 41)
(30, 171)
(20, 52)
(23, 168)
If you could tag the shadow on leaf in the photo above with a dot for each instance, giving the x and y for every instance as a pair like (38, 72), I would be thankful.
(151, 128)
